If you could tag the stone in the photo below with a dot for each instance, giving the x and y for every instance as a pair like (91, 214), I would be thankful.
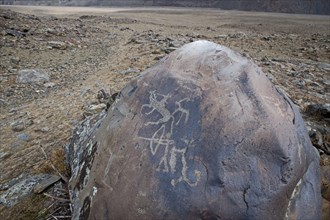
(20, 124)
(17, 126)
(49, 85)
(318, 110)
(18, 188)
(129, 70)
(320, 137)
(15, 60)
(32, 76)
(3, 103)
(23, 137)
(223, 36)
(51, 31)
(57, 45)
(325, 66)
(317, 140)
(93, 109)
(14, 110)
(4, 155)
(203, 134)
(237, 35)
(102, 95)
(326, 82)
(43, 129)
(169, 49)
(15, 33)
(175, 43)
(44, 184)
(28, 122)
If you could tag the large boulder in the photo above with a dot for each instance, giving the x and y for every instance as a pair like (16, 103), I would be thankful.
(201, 135)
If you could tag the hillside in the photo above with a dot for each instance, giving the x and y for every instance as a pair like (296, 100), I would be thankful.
(285, 6)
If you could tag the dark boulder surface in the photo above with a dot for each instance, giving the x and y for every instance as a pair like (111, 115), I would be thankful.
(201, 135)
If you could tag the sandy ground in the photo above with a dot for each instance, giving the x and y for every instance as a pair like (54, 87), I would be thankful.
(103, 48)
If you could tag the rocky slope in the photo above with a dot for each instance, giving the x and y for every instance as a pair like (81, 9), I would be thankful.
(76, 63)
(286, 6)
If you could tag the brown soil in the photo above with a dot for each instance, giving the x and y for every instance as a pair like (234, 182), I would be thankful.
(106, 47)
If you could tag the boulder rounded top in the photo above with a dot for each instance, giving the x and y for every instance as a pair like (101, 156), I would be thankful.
(203, 134)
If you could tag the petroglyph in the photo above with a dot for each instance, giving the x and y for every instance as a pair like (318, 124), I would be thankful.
(107, 168)
(172, 157)
(181, 110)
(157, 141)
(160, 107)
(173, 162)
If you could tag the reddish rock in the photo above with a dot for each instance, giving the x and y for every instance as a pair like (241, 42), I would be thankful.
(201, 135)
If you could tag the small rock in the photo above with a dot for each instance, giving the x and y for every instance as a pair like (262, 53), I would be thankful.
(266, 38)
(98, 107)
(237, 35)
(326, 82)
(23, 137)
(299, 82)
(280, 60)
(319, 136)
(49, 85)
(292, 36)
(17, 126)
(21, 124)
(175, 44)
(2, 103)
(125, 28)
(19, 188)
(32, 76)
(28, 122)
(51, 31)
(44, 184)
(87, 17)
(130, 70)
(156, 52)
(4, 155)
(57, 45)
(44, 129)
(15, 33)
(93, 109)
(15, 60)
(325, 66)
(271, 77)
(223, 36)
(320, 110)
(316, 137)
(159, 57)
(13, 110)
(169, 49)
(102, 95)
